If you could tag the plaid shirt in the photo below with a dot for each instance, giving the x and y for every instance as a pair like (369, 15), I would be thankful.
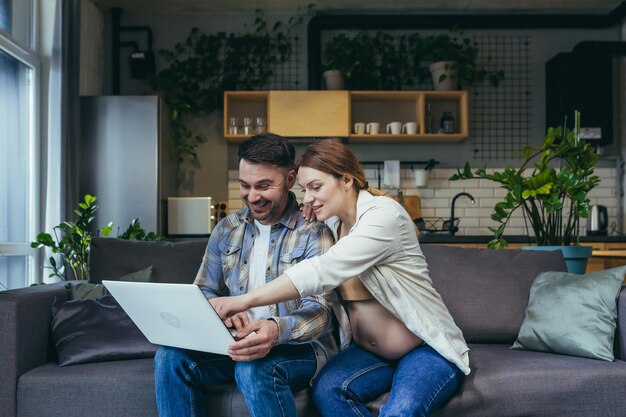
(225, 269)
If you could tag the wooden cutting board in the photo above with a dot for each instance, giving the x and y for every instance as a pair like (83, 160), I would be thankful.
(412, 206)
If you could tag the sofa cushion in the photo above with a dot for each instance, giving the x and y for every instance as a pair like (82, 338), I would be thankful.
(486, 290)
(176, 262)
(519, 383)
(86, 331)
(119, 388)
(572, 314)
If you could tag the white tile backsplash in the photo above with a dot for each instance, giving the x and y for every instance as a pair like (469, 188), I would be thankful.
(447, 192)
(475, 218)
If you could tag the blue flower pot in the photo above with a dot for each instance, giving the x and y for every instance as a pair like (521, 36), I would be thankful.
(575, 256)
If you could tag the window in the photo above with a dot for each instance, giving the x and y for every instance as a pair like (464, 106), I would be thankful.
(18, 145)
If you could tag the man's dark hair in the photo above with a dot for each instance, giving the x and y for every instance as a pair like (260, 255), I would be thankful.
(268, 148)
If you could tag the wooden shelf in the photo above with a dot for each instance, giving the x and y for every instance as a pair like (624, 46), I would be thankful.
(333, 113)
(452, 137)
(236, 138)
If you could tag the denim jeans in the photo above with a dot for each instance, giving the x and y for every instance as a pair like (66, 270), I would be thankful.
(266, 384)
(420, 381)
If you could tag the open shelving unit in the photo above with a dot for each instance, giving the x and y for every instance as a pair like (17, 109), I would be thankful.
(334, 113)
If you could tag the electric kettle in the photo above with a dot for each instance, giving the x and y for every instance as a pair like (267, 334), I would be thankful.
(598, 221)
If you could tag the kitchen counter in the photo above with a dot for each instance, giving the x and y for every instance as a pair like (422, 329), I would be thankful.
(608, 251)
(610, 254)
(447, 238)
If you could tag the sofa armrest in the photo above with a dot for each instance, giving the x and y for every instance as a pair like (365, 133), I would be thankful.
(25, 316)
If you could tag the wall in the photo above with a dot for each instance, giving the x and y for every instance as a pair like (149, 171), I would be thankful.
(475, 219)
(209, 177)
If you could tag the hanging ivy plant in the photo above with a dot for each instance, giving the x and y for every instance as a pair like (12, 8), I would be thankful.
(202, 67)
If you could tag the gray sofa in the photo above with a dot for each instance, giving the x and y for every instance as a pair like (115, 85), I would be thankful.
(486, 292)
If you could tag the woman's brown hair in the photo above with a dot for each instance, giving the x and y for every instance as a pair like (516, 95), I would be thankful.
(333, 157)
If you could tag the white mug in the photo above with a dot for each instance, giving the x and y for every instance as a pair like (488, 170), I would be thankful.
(394, 128)
(421, 177)
(359, 128)
(409, 128)
(372, 128)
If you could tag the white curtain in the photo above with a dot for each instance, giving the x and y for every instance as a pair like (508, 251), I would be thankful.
(60, 150)
(53, 143)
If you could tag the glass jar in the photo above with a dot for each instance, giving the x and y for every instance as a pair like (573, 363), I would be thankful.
(233, 123)
(247, 126)
(447, 123)
(260, 125)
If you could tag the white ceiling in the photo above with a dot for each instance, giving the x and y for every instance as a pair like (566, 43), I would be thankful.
(357, 6)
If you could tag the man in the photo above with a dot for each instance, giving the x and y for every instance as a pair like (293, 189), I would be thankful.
(249, 248)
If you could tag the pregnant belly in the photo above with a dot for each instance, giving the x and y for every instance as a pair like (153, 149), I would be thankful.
(378, 331)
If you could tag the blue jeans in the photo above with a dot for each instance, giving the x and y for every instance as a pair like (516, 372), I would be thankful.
(420, 381)
(181, 377)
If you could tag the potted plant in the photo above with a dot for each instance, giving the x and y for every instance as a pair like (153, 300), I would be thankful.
(72, 241)
(136, 232)
(453, 60)
(552, 192)
(345, 59)
(368, 62)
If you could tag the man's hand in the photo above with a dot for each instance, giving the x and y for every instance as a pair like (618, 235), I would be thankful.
(307, 212)
(257, 346)
(228, 306)
(238, 321)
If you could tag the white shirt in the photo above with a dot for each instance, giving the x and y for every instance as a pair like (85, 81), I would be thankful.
(383, 251)
(258, 267)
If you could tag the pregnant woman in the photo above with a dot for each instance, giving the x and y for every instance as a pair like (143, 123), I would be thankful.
(400, 336)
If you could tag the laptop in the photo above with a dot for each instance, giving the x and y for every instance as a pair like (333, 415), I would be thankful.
(177, 315)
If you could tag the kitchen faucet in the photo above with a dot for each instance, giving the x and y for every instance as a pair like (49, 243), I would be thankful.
(452, 227)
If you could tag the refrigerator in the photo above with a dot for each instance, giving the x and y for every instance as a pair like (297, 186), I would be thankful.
(126, 160)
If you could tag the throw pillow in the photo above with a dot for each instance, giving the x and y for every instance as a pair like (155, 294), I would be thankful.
(87, 291)
(572, 314)
(99, 330)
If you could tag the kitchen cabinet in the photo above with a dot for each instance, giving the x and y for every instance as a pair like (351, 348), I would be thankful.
(614, 262)
(309, 113)
(595, 264)
(334, 113)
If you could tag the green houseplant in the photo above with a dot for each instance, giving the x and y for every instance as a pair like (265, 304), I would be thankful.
(72, 240)
(203, 66)
(369, 62)
(456, 55)
(136, 232)
(552, 192)
(384, 62)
